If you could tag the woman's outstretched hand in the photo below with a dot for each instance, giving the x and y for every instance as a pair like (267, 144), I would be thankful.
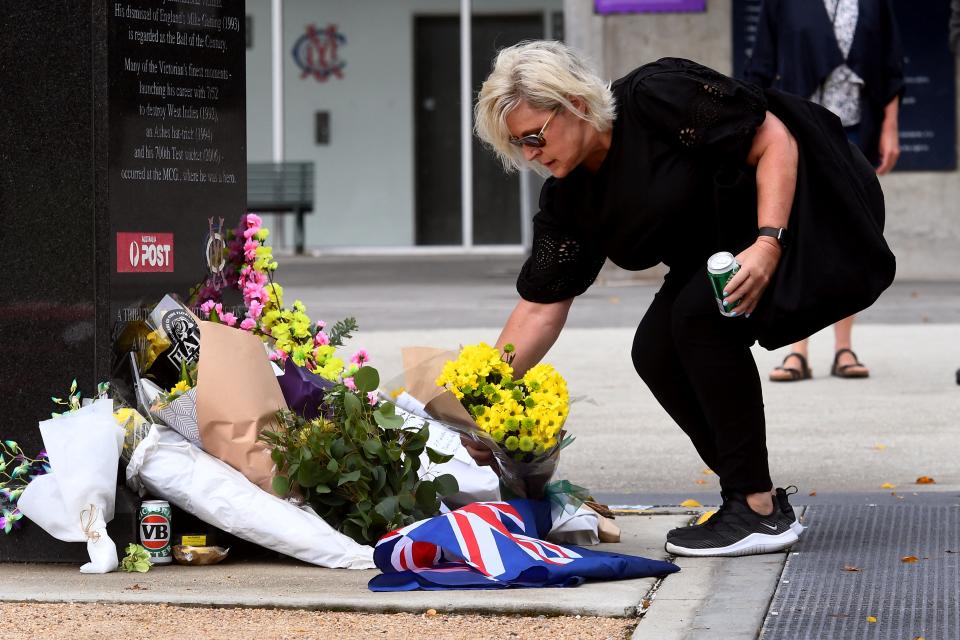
(757, 265)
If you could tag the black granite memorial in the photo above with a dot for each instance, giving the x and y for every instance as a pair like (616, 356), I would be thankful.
(124, 134)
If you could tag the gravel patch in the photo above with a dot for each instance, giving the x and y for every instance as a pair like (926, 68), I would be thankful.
(161, 622)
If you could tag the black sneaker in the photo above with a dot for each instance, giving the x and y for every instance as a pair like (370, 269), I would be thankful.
(783, 503)
(735, 530)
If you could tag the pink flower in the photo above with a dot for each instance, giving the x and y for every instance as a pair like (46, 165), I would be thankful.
(255, 309)
(248, 324)
(372, 398)
(207, 306)
(250, 249)
(254, 291)
(321, 325)
(348, 382)
(279, 356)
(321, 339)
(253, 220)
(229, 319)
(360, 357)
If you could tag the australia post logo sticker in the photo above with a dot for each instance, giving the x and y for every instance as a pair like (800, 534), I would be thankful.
(142, 252)
(155, 532)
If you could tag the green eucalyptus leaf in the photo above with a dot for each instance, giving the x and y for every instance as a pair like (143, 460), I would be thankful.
(373, 447)
(407, 501)
(281, 485)
(387, 508)
(366, 379)
(352, 405)
(307, 476)
(426, 497)
(387, 421)
(277, 456)
(338, 449)
(353, 476)
(379, 475)
(333, 466)
(438, 458)
(446, 485)
(321, 488)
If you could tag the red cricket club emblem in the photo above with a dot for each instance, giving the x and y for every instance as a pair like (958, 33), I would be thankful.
(155, 532)
(317, 53)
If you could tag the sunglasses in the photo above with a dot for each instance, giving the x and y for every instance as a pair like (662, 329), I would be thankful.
(534, 139)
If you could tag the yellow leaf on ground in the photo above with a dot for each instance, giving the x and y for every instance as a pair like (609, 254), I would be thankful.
(926, 480)
(812, 493)
(690, 503)
(705, 516)
(850, 567)
(909, 559)
(701, 482)
(430, 613)
(871, 619)
(887, 485)
(707, 471)
(879, 447)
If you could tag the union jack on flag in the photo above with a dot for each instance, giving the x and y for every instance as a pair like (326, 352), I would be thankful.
(487, 545)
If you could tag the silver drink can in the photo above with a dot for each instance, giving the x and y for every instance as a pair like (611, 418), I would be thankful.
(720, 268)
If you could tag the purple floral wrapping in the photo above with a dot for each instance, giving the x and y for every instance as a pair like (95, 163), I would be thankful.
(303, 390)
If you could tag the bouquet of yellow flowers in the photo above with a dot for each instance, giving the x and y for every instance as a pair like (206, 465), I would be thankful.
(519, 420)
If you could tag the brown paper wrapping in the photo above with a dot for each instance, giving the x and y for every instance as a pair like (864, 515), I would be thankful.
(237, 397)
(607, 530)
(421, 368)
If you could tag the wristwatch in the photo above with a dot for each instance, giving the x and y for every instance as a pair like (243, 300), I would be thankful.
(781, 234)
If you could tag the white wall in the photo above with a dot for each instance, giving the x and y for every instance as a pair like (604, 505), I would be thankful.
(365, 176)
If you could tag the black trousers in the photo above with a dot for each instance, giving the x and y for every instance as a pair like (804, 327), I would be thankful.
(697, 363)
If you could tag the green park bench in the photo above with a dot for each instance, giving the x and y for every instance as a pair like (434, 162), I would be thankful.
(281, 187)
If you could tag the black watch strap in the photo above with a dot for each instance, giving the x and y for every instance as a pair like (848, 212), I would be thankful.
(779, 233)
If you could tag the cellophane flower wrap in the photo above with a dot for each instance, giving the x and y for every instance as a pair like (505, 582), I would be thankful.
(519, 419)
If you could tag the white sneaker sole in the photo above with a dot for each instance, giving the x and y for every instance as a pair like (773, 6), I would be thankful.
(797, 528)
(754, 543)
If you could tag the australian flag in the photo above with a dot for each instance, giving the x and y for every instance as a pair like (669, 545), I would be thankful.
(493, 545)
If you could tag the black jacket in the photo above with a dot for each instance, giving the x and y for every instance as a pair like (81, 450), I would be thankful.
(796, 49)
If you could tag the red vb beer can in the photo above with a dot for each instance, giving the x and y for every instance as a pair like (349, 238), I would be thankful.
(154, 517)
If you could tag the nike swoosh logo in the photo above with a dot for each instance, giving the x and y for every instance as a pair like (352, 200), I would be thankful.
(769, 526)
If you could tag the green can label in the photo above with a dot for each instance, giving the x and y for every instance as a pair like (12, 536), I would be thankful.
(154, 518)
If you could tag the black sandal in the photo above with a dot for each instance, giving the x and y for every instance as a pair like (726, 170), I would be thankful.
(843, 370)
(803, 373)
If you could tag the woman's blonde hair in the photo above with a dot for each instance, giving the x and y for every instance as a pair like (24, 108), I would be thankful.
(546, 75)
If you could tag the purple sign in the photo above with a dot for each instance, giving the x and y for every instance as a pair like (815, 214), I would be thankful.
(649, 6)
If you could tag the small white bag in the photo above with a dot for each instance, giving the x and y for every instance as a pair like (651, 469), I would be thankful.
(75, 501)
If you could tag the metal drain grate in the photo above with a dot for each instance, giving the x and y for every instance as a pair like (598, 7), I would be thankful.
(818, 599)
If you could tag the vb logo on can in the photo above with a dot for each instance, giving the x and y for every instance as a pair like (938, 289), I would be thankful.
(155, 530)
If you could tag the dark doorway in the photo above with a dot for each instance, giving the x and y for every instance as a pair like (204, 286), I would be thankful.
(496, 195)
